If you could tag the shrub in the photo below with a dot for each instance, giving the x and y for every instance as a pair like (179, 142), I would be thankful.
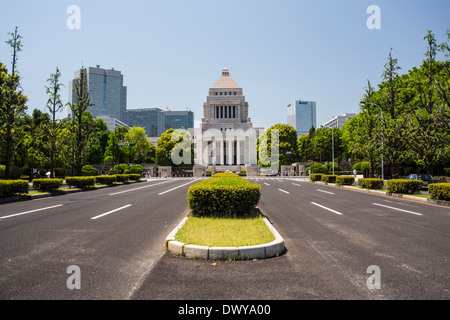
(80, 182)
(345, 173)
(439, 191)
(47, 185)
(345, 180)
(369, 183)
(365, 166)
(12, 187)
(118, 169)
(329, 178)
(357, 166)
(316, 176)
(105, 179)
(224, 195)
(122, 177)
(317, 168)
(89, 171)
(336, 167)
(134, 177)
(136, 169)
(404, 186)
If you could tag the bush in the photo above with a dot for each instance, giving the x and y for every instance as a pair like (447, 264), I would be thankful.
(365, 166)
(109, 180)
(357, 166)
(134, 177)
(80, 182)
(122, 177)
(329, 178)
(345, 180)
(404, 186)
(317, 168)
(12, 187)
(47, 185)
(439, 191)
(118, 169)
(223, 195)
(136, 169)
(345, 173)
(336, 167)
(89, 171)
(369, 183)
(316, 176)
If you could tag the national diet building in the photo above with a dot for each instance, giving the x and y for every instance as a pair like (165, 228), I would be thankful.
(226, 139)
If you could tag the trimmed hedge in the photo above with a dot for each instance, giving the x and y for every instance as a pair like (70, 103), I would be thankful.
(80, 182)
(134, 176)
(316, 176)
(223, 195)
(369, 183)
(47, 185)
(404, 186)
(345, 180)
(89, 171)
(122, 177)
(329, 178)
(12, 187)
(109, 180)
(439, 191)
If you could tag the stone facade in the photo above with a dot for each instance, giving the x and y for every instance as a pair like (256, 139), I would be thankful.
(226, 136)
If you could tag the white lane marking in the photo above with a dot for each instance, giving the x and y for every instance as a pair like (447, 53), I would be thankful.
(26, 212)
(109, 212)
(334, 211)
(266, 184)
(295, 184)
(176, 187)
(325, 191)
(284, 191)
(129, 190)
(382, 205)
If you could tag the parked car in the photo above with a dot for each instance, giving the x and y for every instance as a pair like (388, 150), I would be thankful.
(426, 178)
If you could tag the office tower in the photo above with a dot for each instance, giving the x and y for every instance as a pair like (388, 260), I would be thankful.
(302, 116)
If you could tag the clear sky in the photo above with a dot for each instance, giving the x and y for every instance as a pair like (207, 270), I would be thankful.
(172, 51)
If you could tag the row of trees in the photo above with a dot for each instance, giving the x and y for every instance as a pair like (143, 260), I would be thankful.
(404, 121)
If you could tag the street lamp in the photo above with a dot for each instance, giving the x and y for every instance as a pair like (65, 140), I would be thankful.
(382, 138)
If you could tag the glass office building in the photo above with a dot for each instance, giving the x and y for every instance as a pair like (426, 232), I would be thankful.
(178, 120)
(106, 90)
(302, 116)
(151, 119)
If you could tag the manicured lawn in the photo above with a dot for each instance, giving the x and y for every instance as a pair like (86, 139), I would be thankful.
(224, 232)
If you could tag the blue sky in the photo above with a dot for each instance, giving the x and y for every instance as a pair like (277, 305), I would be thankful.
(171, 52)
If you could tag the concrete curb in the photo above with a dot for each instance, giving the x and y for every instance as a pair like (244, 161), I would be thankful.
(388, 194)
(261, 251)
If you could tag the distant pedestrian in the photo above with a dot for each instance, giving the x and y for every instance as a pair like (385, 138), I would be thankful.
(354, 172)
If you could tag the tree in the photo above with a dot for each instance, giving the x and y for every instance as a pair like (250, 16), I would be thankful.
(81, 125)
(174, 143)
(426, 134)
(99, 142)
(364, 130)
(142, 150)
(52, 130)
(393, 121)
(12, 102)
(286, 144)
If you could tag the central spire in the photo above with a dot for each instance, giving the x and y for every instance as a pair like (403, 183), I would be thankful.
(225, 72)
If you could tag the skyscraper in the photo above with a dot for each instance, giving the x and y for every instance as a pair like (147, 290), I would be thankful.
(106, 89)
(178, 120)
(302, 116)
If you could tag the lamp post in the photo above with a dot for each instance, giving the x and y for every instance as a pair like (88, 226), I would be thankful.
(382, 134)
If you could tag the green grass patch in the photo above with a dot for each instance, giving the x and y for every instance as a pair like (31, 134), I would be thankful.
(224, 232)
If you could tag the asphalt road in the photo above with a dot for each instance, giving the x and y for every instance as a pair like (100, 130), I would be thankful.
(332, 237)
(114, 250)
